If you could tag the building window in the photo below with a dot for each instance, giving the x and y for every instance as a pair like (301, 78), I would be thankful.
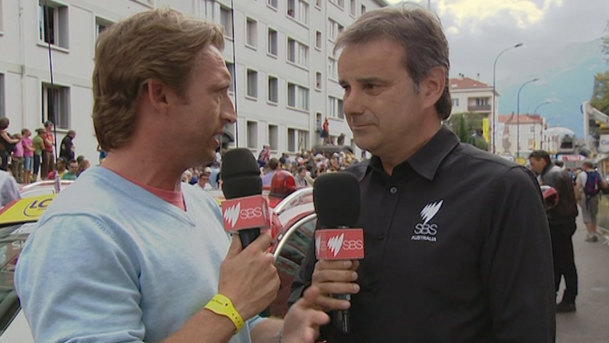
(252, 134)
(363, 10)
(53, 23)
(298, 97)
(335, 107)
(303, 140)
(334, 29)
(332, 68)
(252, 83)
(291, 140)
(226, 21)
(273, 89)
(272, 3)
(299, 10)
(251, 32)
(318, 3)
(274, 137)
(100, 25)
(318, 80)
(272, 42)
(455, 102)
(231, 69)
(339, 3)
(353, 8)
(318, 40)
(2, 97)
(298, 53)
(56, 105)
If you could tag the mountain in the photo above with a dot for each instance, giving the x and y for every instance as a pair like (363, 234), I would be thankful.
(566, 79)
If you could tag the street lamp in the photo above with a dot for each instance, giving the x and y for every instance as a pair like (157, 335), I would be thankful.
(518, 116)
(494, 104)
(541, 132)
(538, 106)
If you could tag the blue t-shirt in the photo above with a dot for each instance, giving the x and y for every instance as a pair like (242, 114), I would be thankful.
(111, 262)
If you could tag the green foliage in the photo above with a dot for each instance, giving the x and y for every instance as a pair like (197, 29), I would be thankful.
(605, 43)
(468, 127)
(600, 93)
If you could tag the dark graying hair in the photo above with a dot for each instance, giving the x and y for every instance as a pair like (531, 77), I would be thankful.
(417, 30)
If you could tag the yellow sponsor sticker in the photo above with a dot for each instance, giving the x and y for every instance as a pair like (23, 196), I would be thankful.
(25, 210)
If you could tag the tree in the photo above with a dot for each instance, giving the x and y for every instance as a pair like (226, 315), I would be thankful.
(605, 43)
(600, 92)
(468, 127)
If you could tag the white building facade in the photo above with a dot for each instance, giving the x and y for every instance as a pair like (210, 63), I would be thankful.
(278, 51)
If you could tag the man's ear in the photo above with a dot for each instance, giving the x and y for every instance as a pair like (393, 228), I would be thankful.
(156, 92)
(432, 85)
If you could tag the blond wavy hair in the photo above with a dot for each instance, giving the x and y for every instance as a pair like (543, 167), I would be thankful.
(157, 44)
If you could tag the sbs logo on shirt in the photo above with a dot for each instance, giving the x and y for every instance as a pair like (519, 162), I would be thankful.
(426, 231)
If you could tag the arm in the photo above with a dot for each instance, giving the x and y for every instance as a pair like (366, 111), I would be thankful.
(249, 279)
(516, 258)
(102, 299)
(301, 323)
(330, 277)
(8, 138)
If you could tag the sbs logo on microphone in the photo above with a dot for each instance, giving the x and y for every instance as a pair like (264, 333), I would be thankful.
(353, 244)
(250, 213)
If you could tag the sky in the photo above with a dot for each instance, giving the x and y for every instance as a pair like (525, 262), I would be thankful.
(556, 35)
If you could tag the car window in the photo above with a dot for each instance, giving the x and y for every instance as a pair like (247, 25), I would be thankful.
(12, 239)
(293, 246)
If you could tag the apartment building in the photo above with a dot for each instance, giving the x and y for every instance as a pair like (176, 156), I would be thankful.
(280, 53)
(472, 96)
(520, 135)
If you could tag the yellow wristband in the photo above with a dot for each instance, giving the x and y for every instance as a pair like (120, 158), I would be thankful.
(222, 305)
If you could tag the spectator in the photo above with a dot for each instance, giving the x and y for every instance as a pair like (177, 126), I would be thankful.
(67, 146)
(48, 158)
(588, 199)
(456, 239)
(17, 159)
(72, 172)
(9, 190)
(273, 166)
(153, 261)
(561, 219)
(83, 165)
(61, 169)
(28, 154)
(7, 143)
(38, 143)
(204, 179)
(301, 177)
(264, 156)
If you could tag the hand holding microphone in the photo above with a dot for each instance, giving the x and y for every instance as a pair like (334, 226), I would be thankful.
(247, 275)
(338, 245)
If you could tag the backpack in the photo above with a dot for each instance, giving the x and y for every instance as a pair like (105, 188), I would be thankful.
(593, 183)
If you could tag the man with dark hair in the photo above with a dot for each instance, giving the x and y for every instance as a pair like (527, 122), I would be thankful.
(457, 247)
(561, 219)
(147, 259)
(66, 149)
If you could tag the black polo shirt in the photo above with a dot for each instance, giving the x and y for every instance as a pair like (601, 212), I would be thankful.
(457, 249)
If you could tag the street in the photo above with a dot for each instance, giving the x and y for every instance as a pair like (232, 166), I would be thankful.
(590, 324)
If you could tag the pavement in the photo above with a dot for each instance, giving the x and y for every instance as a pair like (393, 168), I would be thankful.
(590, 324)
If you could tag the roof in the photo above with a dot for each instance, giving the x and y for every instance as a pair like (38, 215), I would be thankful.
(524, 119)
(466, 83)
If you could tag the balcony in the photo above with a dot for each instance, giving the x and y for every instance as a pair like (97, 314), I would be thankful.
(478, 108)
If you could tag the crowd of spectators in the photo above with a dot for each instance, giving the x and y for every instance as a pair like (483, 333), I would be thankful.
(28, 158)
(304, 167)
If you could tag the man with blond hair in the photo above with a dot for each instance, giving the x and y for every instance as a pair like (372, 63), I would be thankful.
(128, 254)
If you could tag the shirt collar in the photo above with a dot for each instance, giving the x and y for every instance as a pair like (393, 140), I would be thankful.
(426, 161)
